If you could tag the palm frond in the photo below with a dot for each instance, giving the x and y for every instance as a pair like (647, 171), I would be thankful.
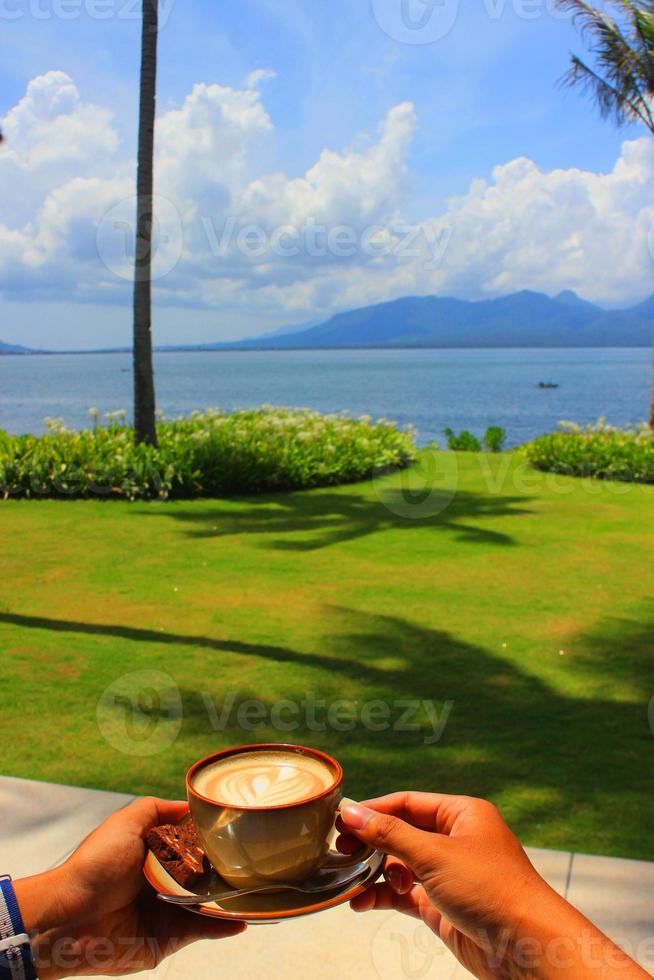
(639, 18)
(610, 102)
(622, 77)
(643, 24)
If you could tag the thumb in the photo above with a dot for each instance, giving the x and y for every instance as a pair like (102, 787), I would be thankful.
(389, 834)
(148, 812)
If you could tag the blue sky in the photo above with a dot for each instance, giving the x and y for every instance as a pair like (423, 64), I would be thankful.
(483, 95)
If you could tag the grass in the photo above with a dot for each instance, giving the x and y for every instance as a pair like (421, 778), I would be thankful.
(524, 600)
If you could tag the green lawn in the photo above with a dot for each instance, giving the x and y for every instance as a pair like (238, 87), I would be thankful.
(349, 593)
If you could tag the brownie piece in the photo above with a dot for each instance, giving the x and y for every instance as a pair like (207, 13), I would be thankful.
(179, 851)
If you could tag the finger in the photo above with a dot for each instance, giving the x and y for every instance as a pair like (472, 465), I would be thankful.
(389, 834)
(415, 903)
(189, 929)
(347, 844)
(428, 811)
(366, 901)
(381, 897)
(148, 812)
(399, 876)
(134, 821)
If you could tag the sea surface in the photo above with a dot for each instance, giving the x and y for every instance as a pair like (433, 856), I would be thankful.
(429, 389)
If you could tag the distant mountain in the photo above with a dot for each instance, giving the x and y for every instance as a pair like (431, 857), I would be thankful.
(570, 298)
(13, 349)
(283, 331)
(523, 319)
(646, 308)
(246, 343)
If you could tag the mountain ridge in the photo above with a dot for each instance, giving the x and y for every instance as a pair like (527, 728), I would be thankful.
(522, 319)
(6, 348)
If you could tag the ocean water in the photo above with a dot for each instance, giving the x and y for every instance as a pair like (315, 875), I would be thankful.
(429, 389)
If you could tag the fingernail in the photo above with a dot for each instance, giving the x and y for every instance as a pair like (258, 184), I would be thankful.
(356, 816)
(395, 879)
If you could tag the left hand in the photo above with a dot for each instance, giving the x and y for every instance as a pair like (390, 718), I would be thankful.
(95, 914)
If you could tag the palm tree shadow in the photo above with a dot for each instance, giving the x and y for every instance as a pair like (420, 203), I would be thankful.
(459, 717)
(505, 731)
(323, 518)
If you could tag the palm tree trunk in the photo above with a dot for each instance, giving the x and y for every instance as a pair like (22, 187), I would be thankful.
(144, 397)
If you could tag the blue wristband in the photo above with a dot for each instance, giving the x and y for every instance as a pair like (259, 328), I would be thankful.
(16, 961)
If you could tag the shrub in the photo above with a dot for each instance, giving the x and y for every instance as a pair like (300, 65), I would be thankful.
(494, 439)
(463, 442)
(599, 451)
(211, 454)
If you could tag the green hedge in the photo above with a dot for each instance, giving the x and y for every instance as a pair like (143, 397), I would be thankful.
(210, 454)
(599, 451)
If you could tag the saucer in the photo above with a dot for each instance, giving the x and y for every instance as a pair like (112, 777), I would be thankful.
(269, 907)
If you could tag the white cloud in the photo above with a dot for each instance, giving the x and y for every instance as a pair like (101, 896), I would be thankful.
(344, 219)
(51, 136)
(258, 76)
(557, 229)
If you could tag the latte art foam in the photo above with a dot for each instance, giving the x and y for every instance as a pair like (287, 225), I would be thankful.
(263, 779)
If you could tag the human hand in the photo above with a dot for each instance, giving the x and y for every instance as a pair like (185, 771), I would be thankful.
(454, 863)
(95, 914)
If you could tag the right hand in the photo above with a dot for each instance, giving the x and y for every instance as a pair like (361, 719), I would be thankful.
(454, 863)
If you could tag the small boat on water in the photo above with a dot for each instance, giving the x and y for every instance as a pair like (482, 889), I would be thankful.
(546, 384)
